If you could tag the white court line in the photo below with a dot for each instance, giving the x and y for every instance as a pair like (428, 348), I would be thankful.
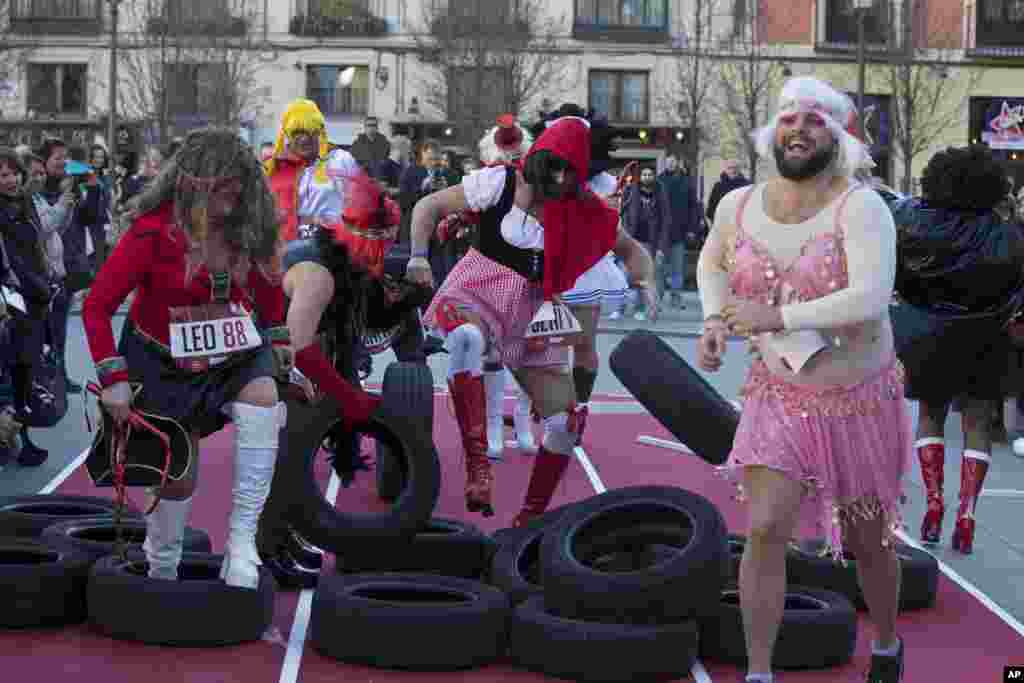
(945, 569)
(1002, 493)
(68, 470)
(699, 673)
(297, 637)
(663, 443)
(969, 587)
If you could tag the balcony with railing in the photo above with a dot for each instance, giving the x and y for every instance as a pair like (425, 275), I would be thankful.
(336, 19)
(56, 17)
(196, 17)
(996, 29)
(625, 21)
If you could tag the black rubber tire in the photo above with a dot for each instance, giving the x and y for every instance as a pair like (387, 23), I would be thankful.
(515, 567)
(676, 395)
(448, 547)
(323, 525)
(599, 653)
(95, 536)
(28, 516)
(818, 631)
(41, 586)
(407, 391)
(918, 586)
(198, 610)
(685, 586)
(542, 521)
(416, 622)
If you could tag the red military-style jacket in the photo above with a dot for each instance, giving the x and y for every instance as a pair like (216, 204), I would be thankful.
(149, 259)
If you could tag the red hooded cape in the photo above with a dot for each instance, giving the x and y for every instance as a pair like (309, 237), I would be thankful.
(578, 230)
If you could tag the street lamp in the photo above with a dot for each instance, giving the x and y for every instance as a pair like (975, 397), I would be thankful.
(862, 7)
(112, 88)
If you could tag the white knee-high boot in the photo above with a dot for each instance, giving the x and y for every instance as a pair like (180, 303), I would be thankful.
(165, 534)
(494, 385)
(256, 439)
(523, 420)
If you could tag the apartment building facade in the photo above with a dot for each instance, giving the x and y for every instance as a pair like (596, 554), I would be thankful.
(202, 61)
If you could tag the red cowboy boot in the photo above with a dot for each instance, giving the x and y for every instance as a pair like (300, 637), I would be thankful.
(972, 476)
(547, 472)
(932, 457)
(470, 401)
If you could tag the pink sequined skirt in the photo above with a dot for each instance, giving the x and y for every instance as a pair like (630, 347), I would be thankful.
(505, 303)
(848, 445)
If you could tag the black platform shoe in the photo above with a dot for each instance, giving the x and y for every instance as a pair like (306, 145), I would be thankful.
(290, 574)
(304, 552)
(886, 669)
(30, 455)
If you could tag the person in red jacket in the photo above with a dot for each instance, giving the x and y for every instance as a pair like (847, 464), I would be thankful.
(202, 247)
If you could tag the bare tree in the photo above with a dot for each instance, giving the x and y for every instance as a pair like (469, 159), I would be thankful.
(748, 83)
(926, 102)
(188, 63)
(487, 57)
(689, 94)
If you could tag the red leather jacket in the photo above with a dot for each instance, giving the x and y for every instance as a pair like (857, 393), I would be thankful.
(149, 259)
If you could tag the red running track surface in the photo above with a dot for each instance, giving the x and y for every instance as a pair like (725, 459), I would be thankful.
(958, 640)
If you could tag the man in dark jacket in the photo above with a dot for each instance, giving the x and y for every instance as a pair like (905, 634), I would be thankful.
(370, 147)
(685, 219)
(730, 180)
(647, 217)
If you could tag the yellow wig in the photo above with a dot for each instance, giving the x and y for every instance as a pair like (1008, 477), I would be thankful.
(302, 114)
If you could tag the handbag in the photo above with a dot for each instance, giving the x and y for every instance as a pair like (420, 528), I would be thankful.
(48, 400)
(149, 450)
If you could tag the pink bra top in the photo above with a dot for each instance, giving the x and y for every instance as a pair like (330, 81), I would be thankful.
(819, 270)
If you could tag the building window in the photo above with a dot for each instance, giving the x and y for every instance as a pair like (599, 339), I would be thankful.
(199, 90)
(841, 22)
(632, 13)
(333, 8)
(54, 9)
(196, 11)
(620, 95)
(337, 99)
(1000, 23)
(57, 89)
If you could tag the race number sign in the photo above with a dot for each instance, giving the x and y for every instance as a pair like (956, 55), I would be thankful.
(204, 336)
(554, 325)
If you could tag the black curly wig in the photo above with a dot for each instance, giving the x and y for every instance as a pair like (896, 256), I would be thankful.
(601, 134)
(965, 178)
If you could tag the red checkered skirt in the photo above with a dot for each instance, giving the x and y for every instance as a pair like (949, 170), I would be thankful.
(504, 300)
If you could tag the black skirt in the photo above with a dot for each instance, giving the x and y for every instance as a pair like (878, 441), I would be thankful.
(196, 400)
(963, 358)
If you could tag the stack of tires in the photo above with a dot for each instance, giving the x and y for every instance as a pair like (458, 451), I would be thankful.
(613, 588)
(43, 580)
(60, 565)
(407, 592)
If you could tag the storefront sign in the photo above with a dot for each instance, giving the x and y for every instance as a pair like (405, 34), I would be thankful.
(1004, 124)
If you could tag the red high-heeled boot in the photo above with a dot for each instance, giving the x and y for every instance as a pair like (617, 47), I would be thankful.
(470, 401)
(932, 455)
(973, 469)
(548, 469)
